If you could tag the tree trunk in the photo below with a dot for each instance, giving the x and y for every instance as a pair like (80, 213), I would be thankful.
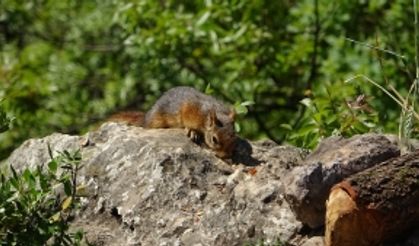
(375, 205)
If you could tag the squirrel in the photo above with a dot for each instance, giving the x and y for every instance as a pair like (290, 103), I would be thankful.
(205, 118)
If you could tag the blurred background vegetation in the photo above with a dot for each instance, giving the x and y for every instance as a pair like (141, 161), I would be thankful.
(67, 65)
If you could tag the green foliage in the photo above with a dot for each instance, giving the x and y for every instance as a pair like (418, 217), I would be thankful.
(32, 210)
(4, 120)
(67, 64)
(330, 112)
(241, 109)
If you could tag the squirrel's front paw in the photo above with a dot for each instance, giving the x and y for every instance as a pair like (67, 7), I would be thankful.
(195, 136)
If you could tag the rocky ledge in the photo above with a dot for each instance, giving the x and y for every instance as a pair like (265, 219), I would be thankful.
(156, 187)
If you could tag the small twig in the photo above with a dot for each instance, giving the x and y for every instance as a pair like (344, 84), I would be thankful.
(376, 84)
(313, 69)
(380, 60)
(400, 101)
(397, 94)
(376, 48)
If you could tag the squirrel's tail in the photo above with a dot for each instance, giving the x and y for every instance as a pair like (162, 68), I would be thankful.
(134, 118)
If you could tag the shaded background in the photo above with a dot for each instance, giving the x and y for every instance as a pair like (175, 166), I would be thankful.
(67, 65)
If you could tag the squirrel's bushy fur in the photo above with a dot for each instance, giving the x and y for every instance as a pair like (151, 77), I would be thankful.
(205, 118)
(202, 115)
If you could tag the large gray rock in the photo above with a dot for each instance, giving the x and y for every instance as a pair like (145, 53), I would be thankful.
(155, 187)
(308, 185)
(314, 241)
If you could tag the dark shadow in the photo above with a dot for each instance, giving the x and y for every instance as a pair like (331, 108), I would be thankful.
(243, 153)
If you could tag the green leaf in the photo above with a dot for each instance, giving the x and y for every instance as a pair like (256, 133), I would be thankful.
(68, 187)
(286, 126)
(67, 154)
(240, 109)
(307, 102)
(307, 130)
(2, 178)
(237, 127)
(209, 90)
(53, 165)
(28, 177)
(15, 176)
(14, 182)
(203, 18)
(43, 182)
(77, 155)
(247, 103)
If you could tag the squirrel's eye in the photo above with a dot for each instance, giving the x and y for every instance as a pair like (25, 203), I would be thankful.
(218, 123)
(215, 140)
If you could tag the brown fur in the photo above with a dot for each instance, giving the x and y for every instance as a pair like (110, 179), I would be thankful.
(129, 117)
(191, 116)
(203, 116)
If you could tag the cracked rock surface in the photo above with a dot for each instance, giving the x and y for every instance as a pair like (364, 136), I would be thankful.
(156, 187)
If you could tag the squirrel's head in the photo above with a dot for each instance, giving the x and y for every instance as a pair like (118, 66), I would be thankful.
(220, 135)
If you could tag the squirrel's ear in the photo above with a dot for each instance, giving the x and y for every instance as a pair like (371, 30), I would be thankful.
(211, 120)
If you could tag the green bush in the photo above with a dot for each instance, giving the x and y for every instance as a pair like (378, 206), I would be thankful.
(65, 65)
(333, 111)
(4, 120)
(32, 210)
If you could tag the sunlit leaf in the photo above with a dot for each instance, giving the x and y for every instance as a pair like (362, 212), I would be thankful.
(66, 203)
(55, 217)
